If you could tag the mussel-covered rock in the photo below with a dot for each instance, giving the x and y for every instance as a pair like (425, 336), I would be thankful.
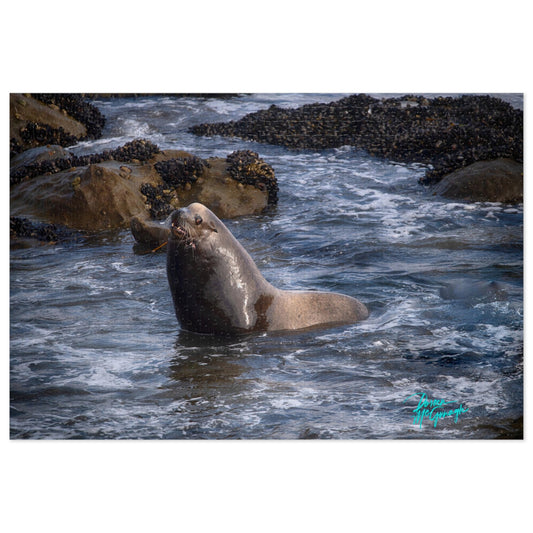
(179, 171)
(25, 232)
(41, 119)
(36, 134)
(158, 200)
(444, 132)
(25, 167)
(78, 108)
(136, 150)
(103, 191)
(247, 167)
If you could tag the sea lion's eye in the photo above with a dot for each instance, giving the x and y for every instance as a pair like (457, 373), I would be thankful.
(198, 220)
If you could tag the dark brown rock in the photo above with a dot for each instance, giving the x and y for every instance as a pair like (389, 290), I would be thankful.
(501, 180)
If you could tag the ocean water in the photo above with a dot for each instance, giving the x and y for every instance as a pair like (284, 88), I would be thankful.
(96, 351)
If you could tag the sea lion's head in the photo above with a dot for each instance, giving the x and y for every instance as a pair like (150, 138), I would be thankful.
(191, 225)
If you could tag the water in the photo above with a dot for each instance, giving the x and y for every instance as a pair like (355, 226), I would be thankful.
(96, 351)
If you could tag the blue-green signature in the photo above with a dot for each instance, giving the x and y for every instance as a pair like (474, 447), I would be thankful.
(434, 410)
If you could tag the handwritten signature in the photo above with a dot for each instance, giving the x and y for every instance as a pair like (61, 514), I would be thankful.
(434, 410)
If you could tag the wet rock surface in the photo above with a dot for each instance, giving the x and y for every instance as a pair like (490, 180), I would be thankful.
(24, 232)
(247, 167)
(37, 155)
(41, 119)
(139, 150)
(444, 132)
(104, 191)
(501, 180)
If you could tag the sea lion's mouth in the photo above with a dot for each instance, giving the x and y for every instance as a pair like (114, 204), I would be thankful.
(179, 231)
(182, 235)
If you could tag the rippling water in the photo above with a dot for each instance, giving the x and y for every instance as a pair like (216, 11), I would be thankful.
(96, 351)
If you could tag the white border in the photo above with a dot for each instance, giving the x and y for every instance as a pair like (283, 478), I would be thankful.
(270, 47)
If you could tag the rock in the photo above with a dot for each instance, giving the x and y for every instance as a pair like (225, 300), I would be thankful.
(27, 112)
(138, 151)
(247, 167)
(90, 198)
(25, 233)
(106, 194)
(41, 119)
(222, 194)
(76, 106)
(148, 232)
(36, 155)
(501, 180)
(446, 133)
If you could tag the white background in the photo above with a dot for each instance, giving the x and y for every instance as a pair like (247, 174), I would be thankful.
(378, 46)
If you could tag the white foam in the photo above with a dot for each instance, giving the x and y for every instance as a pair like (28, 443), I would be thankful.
(286, 403)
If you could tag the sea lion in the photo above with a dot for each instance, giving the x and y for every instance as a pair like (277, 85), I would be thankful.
(217, 288)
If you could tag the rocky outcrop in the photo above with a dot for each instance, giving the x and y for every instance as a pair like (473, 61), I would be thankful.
(117, 185)
(446, 133)
(25, 233)
(135, 151)
(36, 156)
(247, 167)
(149, 233)
(501, 180)
(41, 119)
(76, 106)
(227, 198)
